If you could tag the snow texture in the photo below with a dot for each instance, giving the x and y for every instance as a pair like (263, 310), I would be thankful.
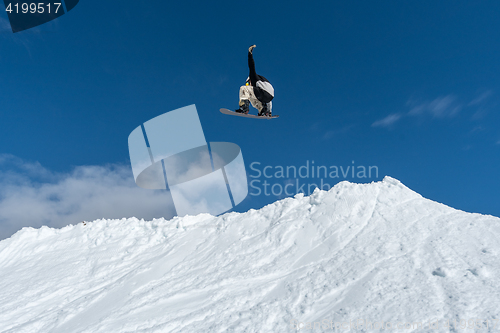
(377, 252)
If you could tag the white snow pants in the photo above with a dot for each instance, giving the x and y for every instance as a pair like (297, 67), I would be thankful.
(246, 92)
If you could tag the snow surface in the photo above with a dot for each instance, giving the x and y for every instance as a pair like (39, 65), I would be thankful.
(376, 252)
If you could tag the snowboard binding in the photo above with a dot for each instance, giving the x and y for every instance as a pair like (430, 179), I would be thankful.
(244, 106)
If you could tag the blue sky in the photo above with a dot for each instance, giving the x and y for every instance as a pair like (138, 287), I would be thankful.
(412, 88)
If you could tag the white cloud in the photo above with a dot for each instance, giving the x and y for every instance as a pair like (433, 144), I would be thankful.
(387, 121)
(483, 105)
(331, 133)
(476, 129)
(440, 107)
(31, 195)
(481, 98)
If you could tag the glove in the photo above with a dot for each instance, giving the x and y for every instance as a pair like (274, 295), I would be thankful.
(250, 49)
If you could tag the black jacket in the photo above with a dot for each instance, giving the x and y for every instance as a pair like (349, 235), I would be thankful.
(262, 88)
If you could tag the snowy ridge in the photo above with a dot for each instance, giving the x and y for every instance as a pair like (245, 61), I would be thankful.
(378, 252)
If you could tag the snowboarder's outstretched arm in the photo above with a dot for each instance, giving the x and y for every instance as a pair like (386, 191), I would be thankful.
(251, 66)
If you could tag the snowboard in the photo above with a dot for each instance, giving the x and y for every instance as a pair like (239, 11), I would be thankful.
(232, 113)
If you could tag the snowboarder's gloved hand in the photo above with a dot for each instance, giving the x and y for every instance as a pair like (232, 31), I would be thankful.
(250, 49)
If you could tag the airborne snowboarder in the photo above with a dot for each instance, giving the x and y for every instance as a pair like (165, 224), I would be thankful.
(257, 91)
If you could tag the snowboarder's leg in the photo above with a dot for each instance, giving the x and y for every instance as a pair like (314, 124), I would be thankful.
(247, 95)
(256, 103)
(244, 106)
(266, 109)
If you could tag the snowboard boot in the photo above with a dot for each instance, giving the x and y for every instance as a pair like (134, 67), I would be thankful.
(244, 106)
(265, 111)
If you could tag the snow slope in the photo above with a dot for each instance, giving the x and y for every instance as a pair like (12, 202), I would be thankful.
(374, 252)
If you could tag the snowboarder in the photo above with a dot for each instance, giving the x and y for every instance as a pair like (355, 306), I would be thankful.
(257, 91)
